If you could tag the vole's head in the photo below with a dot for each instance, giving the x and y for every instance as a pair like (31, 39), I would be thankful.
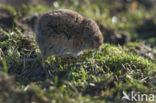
(92, 34)
(43, 42)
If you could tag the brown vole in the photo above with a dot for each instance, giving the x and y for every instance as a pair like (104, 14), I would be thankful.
(66, 33)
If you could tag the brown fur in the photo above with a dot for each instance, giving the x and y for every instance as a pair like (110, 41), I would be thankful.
(63, 31)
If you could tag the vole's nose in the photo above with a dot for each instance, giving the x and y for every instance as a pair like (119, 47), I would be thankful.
(98, 48)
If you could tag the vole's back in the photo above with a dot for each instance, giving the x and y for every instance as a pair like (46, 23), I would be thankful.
(58, 22)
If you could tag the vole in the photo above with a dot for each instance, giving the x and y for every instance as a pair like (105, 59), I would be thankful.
(66, 33)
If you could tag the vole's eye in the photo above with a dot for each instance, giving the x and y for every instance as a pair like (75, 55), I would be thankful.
(86, 29)
(51, 47)
(86, 32)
